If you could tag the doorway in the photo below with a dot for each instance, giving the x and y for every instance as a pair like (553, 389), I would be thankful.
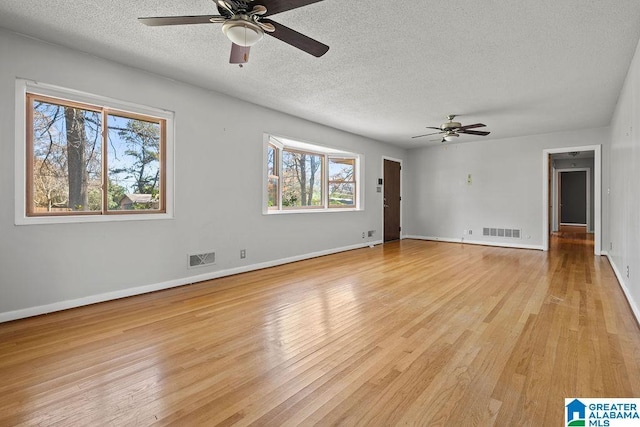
(391, 200)
(551, 220)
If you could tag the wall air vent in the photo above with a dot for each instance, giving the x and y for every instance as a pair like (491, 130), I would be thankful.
(199, 260)
(513, 233)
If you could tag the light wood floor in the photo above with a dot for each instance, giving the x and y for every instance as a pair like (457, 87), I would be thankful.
(409, 333)
(571, 236)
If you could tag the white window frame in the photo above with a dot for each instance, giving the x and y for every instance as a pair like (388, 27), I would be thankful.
(22, 87)
(327, 152)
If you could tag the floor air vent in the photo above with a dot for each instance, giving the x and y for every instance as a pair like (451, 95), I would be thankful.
(198, 260)
(513, 233)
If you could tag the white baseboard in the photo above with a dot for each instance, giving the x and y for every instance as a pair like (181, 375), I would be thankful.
(477, 242)
(623, 286)
(108, 296)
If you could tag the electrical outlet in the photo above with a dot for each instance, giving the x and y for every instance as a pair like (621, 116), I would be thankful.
(243, 253)
(610, 246)
(627, 271)
(363, 234)
(470, 231)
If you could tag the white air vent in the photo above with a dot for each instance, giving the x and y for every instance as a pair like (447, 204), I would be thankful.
(198, 260)
(513, 233)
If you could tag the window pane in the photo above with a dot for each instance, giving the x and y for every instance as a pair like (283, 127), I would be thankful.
(341, 169)
(301, 179)
(66, 158)
(272, 177)
(341, 195)
(271, 160)
(272, 191)
(341, 183)
(133, 164)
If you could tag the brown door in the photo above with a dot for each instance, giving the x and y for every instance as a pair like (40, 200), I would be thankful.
(391, 185)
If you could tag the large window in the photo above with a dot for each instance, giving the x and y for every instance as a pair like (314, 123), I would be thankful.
(302, 177)
(91, 159)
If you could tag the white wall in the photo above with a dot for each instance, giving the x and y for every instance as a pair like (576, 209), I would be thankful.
(624, 199)
(506, 188)
(218, 192)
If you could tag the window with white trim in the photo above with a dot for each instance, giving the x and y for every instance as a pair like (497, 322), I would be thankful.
(308, 177)
(88, 156)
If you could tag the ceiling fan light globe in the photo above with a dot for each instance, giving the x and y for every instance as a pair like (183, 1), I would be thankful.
(242, 33)
(450, 137)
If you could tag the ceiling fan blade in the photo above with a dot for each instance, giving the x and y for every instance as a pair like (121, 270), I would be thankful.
(477, 125)
(181, 20)
(426, 134)
(239, 54)
(296, 39)
(224, 5)
(277, 6)
(474, 132)
(431, 127)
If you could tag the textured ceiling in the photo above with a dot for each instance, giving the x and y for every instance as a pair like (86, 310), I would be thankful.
(394, 67)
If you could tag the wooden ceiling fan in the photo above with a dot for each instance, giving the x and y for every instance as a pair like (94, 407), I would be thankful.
(245, 22)
(451, 130)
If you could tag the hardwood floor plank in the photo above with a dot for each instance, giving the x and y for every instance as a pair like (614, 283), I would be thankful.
(409, 333)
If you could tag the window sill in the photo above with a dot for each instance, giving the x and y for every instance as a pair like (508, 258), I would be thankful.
(72, 219)
(311, 211)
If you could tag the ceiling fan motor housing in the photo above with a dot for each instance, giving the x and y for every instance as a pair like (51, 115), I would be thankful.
(451, 126)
